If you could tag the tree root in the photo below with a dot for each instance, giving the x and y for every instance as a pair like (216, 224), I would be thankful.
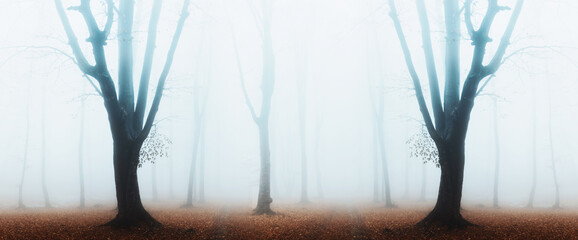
(263, 210)
(437, 220)
(134, 220)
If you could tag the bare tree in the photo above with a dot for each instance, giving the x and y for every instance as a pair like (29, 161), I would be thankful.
(497, 152)
(200, 95)
(43, 148)
(552, 159)
(450, 122)
(262, 121)
(127, 121)
(301, 65)
(377, 107)
(26, 143)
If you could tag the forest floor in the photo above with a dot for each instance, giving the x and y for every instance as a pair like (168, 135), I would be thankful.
(292, 222)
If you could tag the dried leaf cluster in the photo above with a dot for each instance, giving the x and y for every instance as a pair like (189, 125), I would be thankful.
(422, 146)
(154, 147)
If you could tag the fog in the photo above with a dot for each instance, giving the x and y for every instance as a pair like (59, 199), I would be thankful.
(342, 51)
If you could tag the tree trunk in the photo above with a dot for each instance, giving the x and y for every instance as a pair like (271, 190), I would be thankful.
(533, 188)
(25, 158)
(497, 154)
(192, 169)
(130, 209)
(202, 165)
(43, 146)
(264, 200)
(447, 209)
(423, 183)
(557, 192)
(154, 182)
(375, 170)
(80, 155)
(381, 138)
(304, 197)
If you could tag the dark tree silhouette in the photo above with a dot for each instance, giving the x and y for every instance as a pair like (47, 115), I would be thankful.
(127, 121)
(450, 122)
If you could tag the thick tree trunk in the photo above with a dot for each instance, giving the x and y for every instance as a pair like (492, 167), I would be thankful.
(130, 209)
(447, 209)
(264, 200)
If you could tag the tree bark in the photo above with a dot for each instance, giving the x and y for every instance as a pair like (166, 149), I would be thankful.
(447, 209)
(264, 200)
(131, 212)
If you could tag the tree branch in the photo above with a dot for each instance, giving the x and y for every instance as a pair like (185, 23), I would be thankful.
(82, 63)
(468, 18)
(147, 67)
(242, 78)
(496, 61)
(125, 62)
(109, 18)
(159, 91)
(417, 86)
(256, 18)
(431, 67)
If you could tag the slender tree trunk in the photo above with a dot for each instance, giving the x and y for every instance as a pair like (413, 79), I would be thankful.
(497, 154)
(25, 158)
(43, 146)
(81, 154)
(264, 200)
(423, 182)
(154, 182)
(556, 186)
(302, 136)
(381, 138)
(375, 168)
(130, 209)
(202, 165)
(192, 170)
(316, 154)
(448, 205)
(534, 172)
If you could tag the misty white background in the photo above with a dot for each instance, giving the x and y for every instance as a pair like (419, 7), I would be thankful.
(347, 43)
